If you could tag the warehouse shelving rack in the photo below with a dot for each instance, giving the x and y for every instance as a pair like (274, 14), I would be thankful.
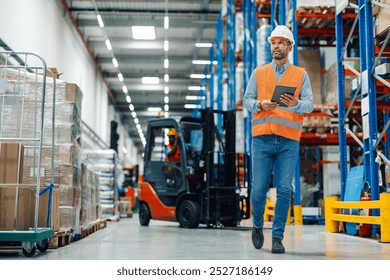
(28, 119)
(367, 92)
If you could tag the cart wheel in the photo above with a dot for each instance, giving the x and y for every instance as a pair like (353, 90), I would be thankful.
(28, 248)
(144, 215)
(43, 245)
(189, 214)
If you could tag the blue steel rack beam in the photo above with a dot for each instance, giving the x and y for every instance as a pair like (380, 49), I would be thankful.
(368, 95)
(249, 58)
(341, 104)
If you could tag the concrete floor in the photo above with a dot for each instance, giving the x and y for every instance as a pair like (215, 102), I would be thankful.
(127, 240)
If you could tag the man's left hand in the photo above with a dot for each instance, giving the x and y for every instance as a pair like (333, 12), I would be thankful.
(289, 100)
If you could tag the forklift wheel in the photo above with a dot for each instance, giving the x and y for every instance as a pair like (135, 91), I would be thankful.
(144, 215)
(189, 214)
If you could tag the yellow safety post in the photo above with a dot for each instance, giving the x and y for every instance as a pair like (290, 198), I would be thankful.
(330, 224)
(385, 217)
(298, 219)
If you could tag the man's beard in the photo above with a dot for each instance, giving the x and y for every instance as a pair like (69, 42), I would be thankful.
(280, 55)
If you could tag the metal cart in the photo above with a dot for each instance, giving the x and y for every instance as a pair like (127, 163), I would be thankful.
(27, 122)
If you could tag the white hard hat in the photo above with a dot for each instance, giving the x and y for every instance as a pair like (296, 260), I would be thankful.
(282, 31)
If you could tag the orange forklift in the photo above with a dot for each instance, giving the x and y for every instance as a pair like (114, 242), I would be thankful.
(208, 185)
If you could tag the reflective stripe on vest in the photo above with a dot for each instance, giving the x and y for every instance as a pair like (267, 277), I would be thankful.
(277, 121)
(280, 121)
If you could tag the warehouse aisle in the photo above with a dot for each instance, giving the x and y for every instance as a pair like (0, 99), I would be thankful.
(127, 240)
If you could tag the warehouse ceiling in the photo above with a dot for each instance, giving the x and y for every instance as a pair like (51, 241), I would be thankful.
(190, 22)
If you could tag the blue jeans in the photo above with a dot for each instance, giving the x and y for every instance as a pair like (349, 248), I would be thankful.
(269, 151)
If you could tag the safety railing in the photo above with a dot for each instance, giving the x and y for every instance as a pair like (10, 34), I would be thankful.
(334, 215)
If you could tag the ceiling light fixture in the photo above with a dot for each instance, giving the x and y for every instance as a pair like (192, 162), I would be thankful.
(203, 45)
(115, 62)
(192, 106)
(166, 45)
(120, 77)
(196, 88)
(166, 63)
(166, 99)
(195, 97)
(166, 78)
(100, 21)
(154, 109)
(166, 22)
(150, 80)
(200, 76)
(108, 45)
(143, 32)
(201, 62)
(125, 90)
(166, 90)
(128, 99)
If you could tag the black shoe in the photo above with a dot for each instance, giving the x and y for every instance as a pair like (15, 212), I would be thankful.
(257, 237)
(277, 245)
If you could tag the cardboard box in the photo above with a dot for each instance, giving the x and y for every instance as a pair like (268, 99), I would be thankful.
(311, 61)
(22, 217)
(11, 163)
(382, 19)
(43, 210)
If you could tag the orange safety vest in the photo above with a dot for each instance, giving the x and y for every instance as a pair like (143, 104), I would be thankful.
(174, 157)
(279, 121)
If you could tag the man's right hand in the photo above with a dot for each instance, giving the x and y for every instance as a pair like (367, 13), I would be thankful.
(268, 105)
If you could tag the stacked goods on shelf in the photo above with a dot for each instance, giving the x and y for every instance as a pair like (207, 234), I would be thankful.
(382, 18)
(318, 122)
(90, 208)
(66, 148)
(311, 61)
(104, 163)
(331, 80)
(264, 55)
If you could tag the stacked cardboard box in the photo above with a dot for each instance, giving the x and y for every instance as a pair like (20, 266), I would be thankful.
(104, 163)
(22, 113)
(332, 94)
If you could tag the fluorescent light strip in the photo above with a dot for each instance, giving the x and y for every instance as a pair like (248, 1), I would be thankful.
(120, 77)
(115, 62)
(196, 88)
(166, 90)
(203, 45)
(100, 21)
(108, 45)
(200, 76)
(166, 99)
(191, 106)
(166, 63)
(195, 97)
(166, 45)
(166, 78)
(150, 80)
(166, 22)
(124, 89)
(201, 62)
(128, 99)
(166, 107)
(143, 32)
(154, 109)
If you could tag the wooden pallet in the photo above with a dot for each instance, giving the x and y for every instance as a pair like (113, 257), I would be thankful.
(100, 224)
(60, 239)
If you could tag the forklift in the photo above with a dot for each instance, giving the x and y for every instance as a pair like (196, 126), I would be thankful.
(209, 184)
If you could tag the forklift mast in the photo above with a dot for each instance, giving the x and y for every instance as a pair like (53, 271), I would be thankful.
(224, 157)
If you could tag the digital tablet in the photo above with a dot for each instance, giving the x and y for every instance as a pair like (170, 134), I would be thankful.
(279, 90)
